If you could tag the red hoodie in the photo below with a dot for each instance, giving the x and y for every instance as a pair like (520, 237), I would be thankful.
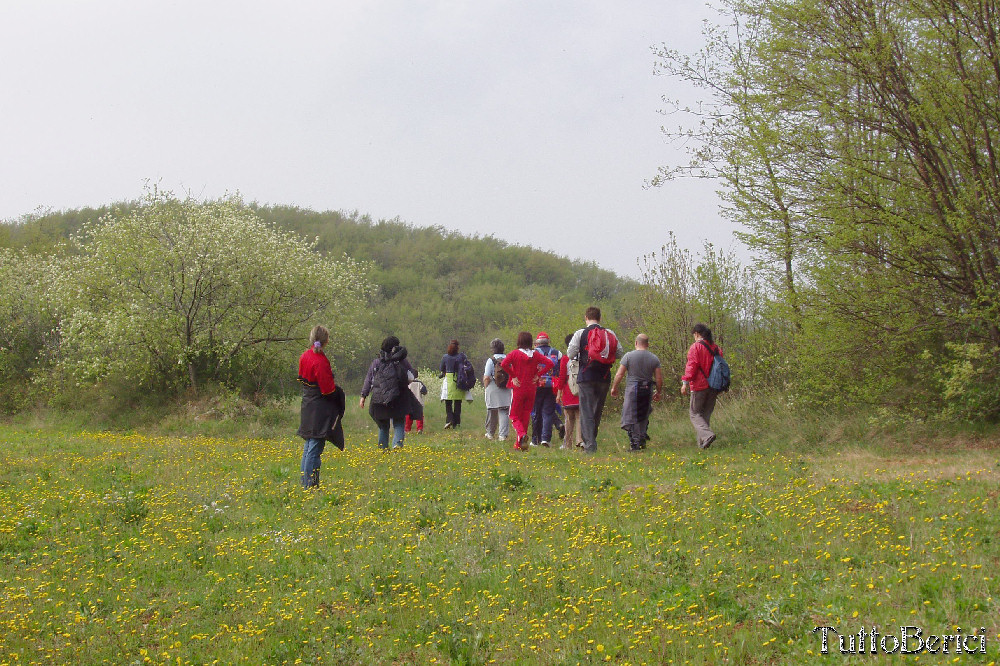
(699, 364)
(315, 370)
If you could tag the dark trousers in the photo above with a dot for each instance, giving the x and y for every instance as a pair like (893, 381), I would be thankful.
(453, 412)
(544, 415)
(592, 397)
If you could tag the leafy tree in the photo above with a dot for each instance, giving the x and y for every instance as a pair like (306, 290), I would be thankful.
(858, 143)
(680, 288)
(176, 292)
(426, 285)
(27, 322)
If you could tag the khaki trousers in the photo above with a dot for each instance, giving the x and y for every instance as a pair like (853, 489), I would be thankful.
(702, 405)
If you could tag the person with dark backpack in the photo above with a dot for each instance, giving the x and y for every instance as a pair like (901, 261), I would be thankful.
(700, 359)
(596, 349)
(453, 364)
(387, 384)
(498, 393)
(544, 413)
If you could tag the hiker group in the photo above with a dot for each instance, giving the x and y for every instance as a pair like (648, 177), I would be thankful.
(535, 388)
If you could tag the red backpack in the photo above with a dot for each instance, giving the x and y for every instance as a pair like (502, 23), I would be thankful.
(602, 345)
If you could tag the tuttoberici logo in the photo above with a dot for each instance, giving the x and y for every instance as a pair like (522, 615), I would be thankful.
(910, 640)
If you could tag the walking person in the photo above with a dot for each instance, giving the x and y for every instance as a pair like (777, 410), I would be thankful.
(695, 378)
(570, 403)
(322, 407)
(644, 386)
(387, 382)
(596, 349)
(450, 393)
(498, 393)
(523, 365)
(544, 414)
(419, 391)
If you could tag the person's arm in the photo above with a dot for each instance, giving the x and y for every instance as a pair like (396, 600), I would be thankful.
(443, 366)
(573, 350)
(488, 372)
(689, 369)
(366, 388)
(658, 376)
(619, 376)
(508, 364)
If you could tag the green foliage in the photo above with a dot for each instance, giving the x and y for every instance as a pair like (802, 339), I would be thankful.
(27, 324)
(176, 292)
(435, 285)
(857, 143)
(969, 376)
(680, 289)
(426, 285)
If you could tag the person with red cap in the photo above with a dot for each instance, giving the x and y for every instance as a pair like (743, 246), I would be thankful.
(544, 412)
(524, 365)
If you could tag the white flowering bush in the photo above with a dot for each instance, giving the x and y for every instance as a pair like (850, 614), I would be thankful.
(177, 292)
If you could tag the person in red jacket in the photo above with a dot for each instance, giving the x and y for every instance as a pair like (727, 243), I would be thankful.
(523, 365)
(323, 404)
(570, 403)
(695, 378)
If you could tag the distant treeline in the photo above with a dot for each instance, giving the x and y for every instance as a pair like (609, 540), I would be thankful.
(428, 285)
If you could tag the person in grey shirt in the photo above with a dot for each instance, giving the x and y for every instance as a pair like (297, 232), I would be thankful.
(644, 386)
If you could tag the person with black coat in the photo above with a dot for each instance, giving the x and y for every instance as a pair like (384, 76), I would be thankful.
(387, 382)
(322, 409)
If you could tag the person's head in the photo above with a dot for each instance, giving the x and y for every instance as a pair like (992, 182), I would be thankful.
(453, 347)
(320, 335)
(496, 346)
(390, 343)
(542, 339)
(592, 314)
(642, 341)
(703, 331)
(524, 340)
(569, 339)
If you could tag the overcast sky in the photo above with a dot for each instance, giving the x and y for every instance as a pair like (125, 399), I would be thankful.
(530, 120)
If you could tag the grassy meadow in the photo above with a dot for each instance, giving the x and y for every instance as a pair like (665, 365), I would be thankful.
(166, 546)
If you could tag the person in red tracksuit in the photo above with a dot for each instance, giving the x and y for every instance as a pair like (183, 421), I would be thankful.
(524, 365)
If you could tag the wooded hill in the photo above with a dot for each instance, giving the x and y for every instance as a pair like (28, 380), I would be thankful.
(432, 284)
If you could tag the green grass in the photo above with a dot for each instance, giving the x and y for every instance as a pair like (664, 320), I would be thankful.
(125, 547)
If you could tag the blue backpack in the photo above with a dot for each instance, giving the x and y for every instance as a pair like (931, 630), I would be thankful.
(718, 377)
(554, 355)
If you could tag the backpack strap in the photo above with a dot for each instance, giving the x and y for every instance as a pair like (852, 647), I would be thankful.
(710, 351)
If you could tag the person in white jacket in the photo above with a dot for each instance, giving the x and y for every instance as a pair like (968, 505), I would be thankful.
(497, 397)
